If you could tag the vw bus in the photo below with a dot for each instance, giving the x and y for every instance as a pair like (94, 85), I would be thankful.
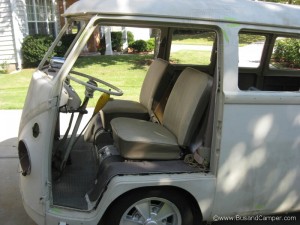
(215, 131)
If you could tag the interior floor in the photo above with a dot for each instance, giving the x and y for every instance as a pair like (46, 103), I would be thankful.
(85, 180)
(77, 179)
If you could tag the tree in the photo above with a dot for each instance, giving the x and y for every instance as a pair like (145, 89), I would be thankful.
(295, 2)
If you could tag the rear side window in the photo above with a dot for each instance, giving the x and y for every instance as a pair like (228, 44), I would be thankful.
(250, 49)
(269, 62)
(286, 54)
(192, 46)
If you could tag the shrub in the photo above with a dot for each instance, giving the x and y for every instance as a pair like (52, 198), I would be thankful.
(34, 48)
(66, 41)
(130, 37)
(4, 66)
(150, 44)
(102, 47)
(116, 41)
(139, 46)
(287, 52)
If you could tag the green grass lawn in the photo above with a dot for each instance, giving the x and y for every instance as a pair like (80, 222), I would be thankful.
(13, 89)
(195, 39)
(191, 57)
(200, 39)
(124, 71)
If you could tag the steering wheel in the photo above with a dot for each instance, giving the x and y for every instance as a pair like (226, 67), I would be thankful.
(116, 91)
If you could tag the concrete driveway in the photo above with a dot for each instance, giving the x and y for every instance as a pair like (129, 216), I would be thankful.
(11, 208)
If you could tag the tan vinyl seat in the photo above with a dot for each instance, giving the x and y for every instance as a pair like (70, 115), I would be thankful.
(137, 139)
(141, 109)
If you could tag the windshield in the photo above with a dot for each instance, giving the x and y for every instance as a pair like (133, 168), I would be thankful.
(61, 47)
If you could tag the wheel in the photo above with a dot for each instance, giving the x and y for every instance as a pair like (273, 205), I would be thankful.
(152, 207)
(116, 91)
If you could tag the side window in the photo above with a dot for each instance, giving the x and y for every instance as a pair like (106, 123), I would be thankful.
(286, 54)
(250, 49)
(192, 46)
(281, 70)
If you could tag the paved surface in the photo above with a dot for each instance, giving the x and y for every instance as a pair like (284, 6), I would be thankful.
(11, 208)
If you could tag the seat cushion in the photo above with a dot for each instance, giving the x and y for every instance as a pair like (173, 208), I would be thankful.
(122, 108)
(153, 78)
(187, 103)
(139, 139)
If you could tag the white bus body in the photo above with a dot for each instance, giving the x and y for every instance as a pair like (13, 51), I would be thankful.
(252, 157)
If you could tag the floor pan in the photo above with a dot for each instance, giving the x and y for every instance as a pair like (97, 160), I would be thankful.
(77, 179)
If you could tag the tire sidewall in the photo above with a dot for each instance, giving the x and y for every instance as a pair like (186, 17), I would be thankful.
(121, 205)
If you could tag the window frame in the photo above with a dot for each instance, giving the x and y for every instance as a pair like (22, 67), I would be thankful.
(264, 72)
(32, 5)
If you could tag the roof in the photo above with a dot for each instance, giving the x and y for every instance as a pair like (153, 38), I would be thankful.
(237, 11)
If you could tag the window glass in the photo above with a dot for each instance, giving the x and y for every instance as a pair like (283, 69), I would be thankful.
(31, 28)
(286, 54)
(41, 17)
(250, 49)
(51, 28)
(191, 46)
(50, 11)
(42, 28)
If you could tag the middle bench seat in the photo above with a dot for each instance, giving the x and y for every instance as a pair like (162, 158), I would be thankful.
(143, 108)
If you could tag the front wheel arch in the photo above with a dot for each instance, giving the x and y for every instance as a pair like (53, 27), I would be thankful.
(185, 197)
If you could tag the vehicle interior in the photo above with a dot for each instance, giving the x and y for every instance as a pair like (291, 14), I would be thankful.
(173, 116)
(157, 134)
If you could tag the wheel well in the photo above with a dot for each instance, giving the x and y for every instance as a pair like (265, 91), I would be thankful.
(190, 198)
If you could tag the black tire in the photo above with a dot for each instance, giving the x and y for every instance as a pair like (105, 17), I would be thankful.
(175, 204)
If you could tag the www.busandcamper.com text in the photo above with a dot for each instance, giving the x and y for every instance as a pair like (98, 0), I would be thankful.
(254, 218)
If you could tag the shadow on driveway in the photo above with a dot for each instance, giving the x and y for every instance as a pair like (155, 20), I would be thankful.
(11, 207)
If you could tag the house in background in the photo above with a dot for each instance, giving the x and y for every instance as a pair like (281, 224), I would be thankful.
(19, 18)
(12, 31)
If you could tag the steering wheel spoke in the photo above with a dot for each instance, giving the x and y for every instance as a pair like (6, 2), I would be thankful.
(112, 90)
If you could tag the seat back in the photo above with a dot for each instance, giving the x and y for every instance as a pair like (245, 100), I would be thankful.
(186, 104)
(152, 79)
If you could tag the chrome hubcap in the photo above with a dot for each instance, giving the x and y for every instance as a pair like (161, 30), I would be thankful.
(152, 211)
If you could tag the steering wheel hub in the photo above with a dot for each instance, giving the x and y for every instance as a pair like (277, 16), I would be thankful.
(89, 92)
